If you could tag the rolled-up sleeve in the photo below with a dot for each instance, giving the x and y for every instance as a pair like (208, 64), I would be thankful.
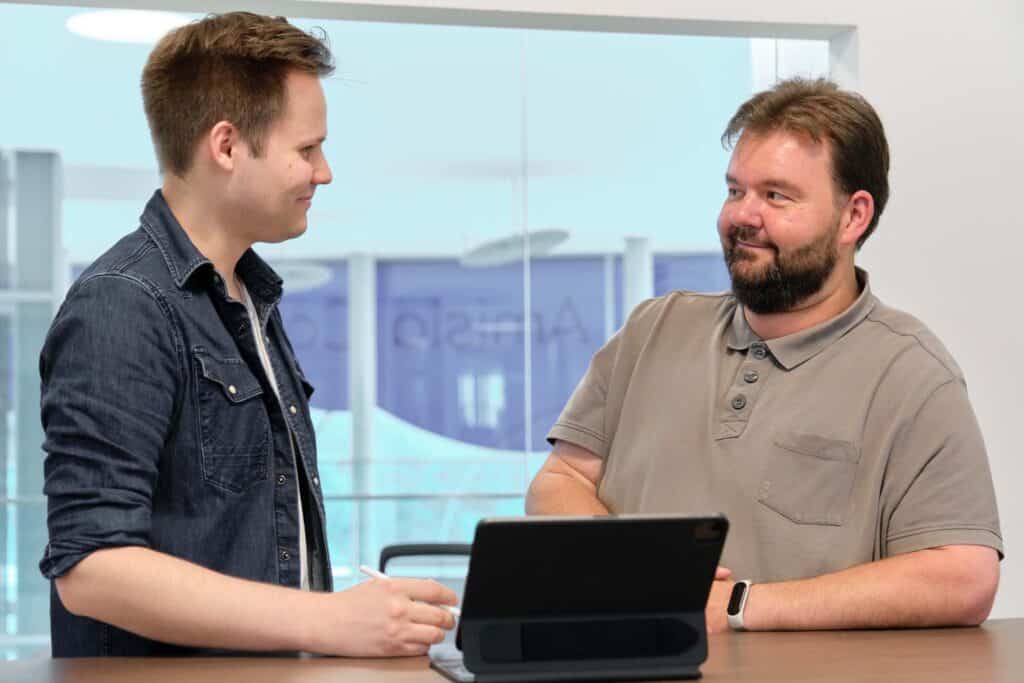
(111, 378)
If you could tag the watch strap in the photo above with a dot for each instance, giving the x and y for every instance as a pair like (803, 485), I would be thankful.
(738, 605)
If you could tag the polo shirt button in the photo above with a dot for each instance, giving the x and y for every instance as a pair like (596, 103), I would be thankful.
(285, 556)
(292, 409)
(759, 351)
(739, 402)
(751, 376)
(281, 479)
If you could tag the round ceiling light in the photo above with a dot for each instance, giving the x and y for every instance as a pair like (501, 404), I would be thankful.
(124, 25)
(510, 249)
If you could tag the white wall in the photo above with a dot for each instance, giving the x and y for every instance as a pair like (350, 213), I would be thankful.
(948, 81)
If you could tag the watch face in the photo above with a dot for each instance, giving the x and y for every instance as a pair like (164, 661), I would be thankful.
(735, 599)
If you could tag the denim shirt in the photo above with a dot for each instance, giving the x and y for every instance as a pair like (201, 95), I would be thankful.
(162, 430)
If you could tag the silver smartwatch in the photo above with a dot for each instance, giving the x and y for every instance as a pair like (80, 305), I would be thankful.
(737, 605)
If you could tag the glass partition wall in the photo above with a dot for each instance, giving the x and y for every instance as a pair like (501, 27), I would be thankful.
(501, 200)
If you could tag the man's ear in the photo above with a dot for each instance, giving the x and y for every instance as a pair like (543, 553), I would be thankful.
(222, 145)
(856, 216)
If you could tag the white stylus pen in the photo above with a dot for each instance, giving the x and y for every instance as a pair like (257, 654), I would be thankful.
(370, 571)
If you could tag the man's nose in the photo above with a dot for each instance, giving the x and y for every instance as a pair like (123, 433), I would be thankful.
(322, 175)
(747, 211)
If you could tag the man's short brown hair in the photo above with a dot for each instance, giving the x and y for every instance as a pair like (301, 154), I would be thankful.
(227, 67)
(820, 110)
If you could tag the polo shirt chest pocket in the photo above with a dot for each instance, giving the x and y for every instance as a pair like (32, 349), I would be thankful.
(809, 478)
(234, 428)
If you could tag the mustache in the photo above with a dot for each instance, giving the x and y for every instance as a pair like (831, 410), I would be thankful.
(745, 233)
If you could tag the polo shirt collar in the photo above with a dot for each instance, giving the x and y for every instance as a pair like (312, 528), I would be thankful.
(794, 349)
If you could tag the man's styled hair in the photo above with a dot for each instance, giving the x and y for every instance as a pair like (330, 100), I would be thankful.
(226, 67)
(820, 110)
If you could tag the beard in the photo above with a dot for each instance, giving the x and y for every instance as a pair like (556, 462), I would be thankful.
(790, 279)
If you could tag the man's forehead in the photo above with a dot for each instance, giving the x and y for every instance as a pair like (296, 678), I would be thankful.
(781, 139)
(305, 110)
(781, 149)
(304, 90)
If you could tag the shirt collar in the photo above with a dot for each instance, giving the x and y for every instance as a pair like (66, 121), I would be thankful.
(262, 282)
(794, 349)
(184, 261)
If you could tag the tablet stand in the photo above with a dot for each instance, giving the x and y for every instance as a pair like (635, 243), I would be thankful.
(594, 647)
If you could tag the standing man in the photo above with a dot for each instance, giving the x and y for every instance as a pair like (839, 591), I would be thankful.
(185, 510)
(833, 431)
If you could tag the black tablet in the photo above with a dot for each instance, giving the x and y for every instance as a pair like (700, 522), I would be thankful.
(574, 598)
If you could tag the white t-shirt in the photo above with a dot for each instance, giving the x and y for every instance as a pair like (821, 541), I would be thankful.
(261, 348)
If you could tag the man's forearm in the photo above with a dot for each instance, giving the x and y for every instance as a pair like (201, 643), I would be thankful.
(558, 493)
(949, 586)
(168, 599)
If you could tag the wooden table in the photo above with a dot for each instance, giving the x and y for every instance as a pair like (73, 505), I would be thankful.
(993, 653)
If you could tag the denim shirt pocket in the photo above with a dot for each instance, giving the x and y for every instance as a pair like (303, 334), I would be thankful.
(234, 427)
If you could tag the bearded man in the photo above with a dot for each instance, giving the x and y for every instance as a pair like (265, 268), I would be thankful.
(833, 431)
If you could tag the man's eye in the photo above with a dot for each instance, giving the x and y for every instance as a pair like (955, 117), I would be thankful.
(776, 196)
(306, 152)
(732, 192)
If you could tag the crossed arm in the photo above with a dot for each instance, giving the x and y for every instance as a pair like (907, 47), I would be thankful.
(947, 586)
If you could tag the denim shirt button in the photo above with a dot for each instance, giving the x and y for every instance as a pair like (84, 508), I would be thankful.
(281, 479)
(232, 390)
(316, 481)
(292, 409)
(285, 556)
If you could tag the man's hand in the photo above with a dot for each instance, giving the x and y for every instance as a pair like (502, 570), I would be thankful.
(718, 600)
(382, 618)
(171, 600)
(943, 586)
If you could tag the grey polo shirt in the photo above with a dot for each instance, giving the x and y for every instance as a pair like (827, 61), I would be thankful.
(842, 444)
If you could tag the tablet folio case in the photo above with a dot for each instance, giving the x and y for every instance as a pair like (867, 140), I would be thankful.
(561, 599)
